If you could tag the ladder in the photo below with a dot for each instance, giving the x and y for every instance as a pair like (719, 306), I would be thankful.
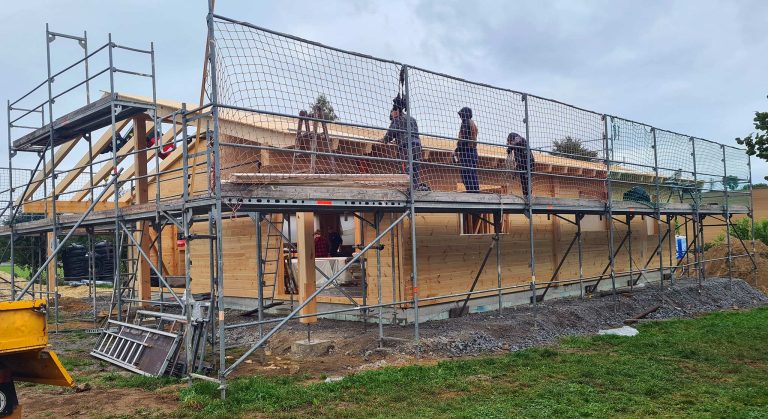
(272, 255)
(127, 279)
(137, 348)
(312, 141)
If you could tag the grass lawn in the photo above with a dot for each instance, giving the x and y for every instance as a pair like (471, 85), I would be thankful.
(21, 271)
(713, 366)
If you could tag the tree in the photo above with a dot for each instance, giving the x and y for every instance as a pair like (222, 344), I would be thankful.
(731, 182)
(742, 228)
(322, 109)
(755, 186)
(757, 142)
(573, 148)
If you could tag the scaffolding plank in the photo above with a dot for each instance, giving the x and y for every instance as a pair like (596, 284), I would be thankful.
(96, 115)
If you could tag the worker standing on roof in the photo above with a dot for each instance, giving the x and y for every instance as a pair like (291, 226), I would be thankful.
(518, 154)
(466, 151)
(399, 128)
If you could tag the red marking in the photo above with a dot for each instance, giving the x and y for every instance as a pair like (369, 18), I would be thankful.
(181, 243)
(324, 202)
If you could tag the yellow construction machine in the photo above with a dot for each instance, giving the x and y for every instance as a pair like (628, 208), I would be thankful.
(24, 352)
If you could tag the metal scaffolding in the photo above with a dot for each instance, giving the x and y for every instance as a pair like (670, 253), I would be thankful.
(236, 151)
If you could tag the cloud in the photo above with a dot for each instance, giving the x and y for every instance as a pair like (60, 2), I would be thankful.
(691, 66)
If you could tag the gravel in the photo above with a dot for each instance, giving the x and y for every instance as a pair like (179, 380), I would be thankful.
(515, 328)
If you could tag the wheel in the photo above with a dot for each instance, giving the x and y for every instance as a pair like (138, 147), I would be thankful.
(8, 401)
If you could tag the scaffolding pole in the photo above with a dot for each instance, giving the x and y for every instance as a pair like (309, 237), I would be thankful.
(607, 149)
(498, 226)
(727, 215)
(312, 296)
(61, 244)
(412, 210)
(216, 186)
(529, 207)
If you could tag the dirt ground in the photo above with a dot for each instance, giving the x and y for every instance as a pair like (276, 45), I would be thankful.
(355, 346)
(756, 274)
(97, 402)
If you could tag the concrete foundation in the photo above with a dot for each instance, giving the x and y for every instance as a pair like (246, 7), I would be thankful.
(313, 348)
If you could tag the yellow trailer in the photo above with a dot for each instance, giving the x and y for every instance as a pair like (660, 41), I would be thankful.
(24, 352)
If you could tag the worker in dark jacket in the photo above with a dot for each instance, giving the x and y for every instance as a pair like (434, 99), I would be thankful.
(466, 151)
(518, 154)
(336, 241)
(399, 128)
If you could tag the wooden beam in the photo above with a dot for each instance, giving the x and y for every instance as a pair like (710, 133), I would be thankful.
(140, 160)
(306, 254)
(37, 180)
(103, 141)
(105, 170)
(338, 180)
(65, 207)
(121, 155)
(130, 171)
(556, 234)
(141, 196)
(143, 272)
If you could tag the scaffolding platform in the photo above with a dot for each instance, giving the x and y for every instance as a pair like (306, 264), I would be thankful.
(266, 197)
(94, 116)
(106, 218)
(244, 198)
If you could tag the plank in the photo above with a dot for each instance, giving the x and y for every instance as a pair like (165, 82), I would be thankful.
(65, 207)
(306, 256)
(352, 179)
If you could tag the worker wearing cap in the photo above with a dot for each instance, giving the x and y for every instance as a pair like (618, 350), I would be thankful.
(402, 124)
(466, 151)
(518, 153)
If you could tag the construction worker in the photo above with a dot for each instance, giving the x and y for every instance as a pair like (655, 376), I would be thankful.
(321, 245)
(517, 159)
(401, 124)
(466, 151)
(336, 241)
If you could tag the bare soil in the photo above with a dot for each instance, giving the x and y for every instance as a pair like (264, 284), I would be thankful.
(47, 402)
(753, 270)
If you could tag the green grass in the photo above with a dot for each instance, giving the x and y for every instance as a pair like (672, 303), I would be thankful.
(21, 271)
(71, 363)
(713, 366)
(24, 272)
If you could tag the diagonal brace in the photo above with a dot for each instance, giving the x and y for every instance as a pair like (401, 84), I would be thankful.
(314, 295)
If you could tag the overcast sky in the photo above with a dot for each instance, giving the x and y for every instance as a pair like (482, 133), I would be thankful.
(695, 67)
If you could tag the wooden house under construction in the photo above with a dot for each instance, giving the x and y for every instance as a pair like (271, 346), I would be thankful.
(234, 202)
(481, 244)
